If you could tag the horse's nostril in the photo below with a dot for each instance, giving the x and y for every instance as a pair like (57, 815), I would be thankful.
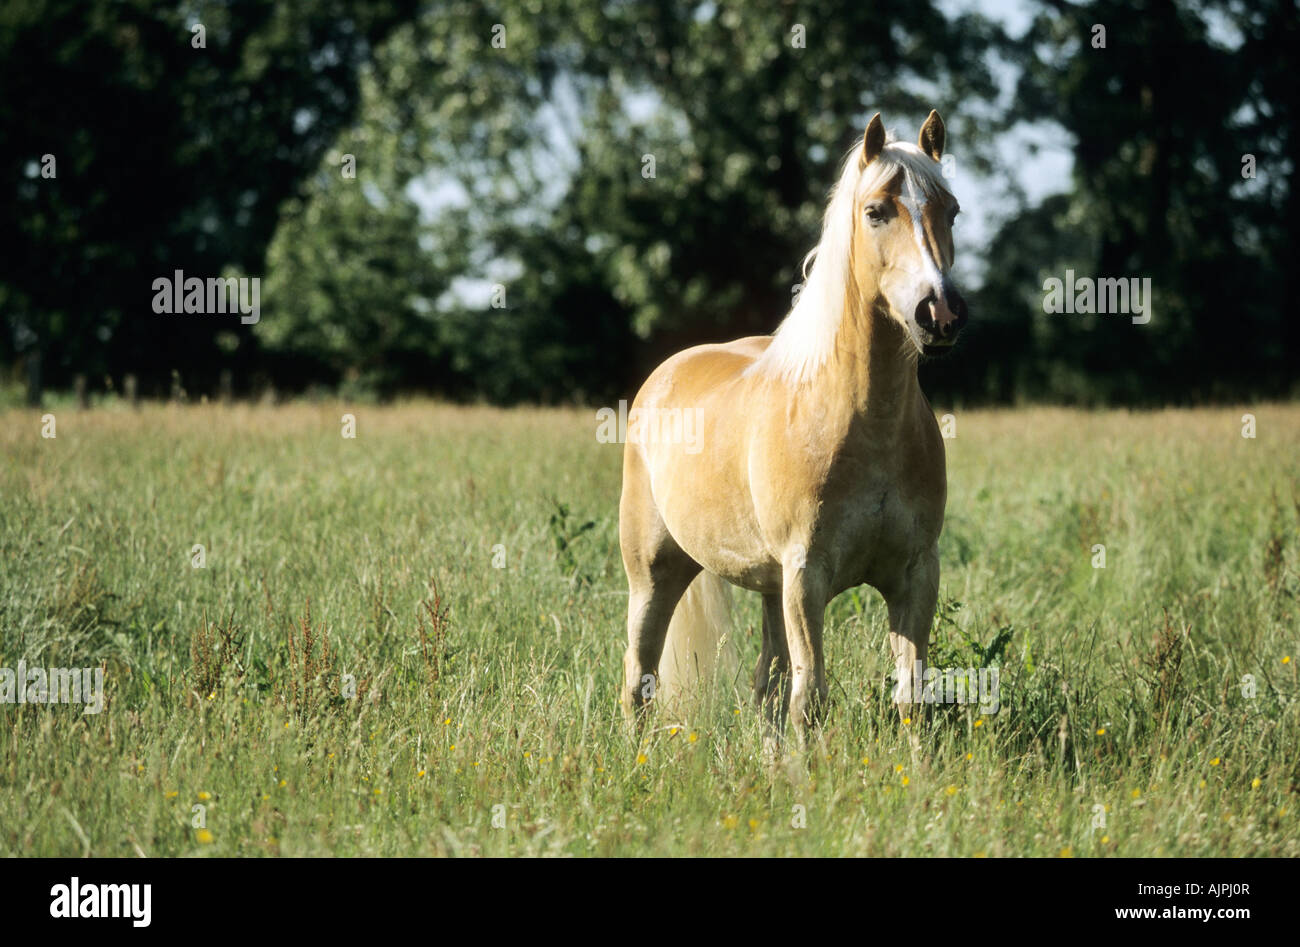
(922, 314)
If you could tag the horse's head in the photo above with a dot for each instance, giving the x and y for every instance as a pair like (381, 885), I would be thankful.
(904, 216)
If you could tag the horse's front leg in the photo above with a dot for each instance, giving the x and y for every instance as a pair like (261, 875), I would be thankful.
(803, 606)
(911, 614)
(772, 673)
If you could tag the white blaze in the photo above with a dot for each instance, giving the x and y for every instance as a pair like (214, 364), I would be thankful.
(915, 204)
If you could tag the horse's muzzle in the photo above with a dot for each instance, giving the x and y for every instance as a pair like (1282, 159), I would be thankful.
(940, 316)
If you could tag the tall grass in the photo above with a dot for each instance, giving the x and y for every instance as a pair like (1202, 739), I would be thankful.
(409, 643)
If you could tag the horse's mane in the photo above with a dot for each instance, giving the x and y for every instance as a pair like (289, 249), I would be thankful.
(804, 340)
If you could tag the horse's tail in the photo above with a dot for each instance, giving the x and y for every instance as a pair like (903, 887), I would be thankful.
(700, 644)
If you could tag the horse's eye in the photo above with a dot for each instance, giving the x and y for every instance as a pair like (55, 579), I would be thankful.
(952, 218)
(875, 213)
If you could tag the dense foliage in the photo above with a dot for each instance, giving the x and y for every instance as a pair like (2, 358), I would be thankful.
(519, 201)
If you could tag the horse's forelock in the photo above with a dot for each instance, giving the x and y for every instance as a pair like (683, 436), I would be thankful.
(908, 158)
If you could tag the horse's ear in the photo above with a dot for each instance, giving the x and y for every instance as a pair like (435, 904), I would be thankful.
(873, 141)
(932, 136)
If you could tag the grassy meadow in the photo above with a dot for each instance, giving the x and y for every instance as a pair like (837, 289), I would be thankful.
(308, 692)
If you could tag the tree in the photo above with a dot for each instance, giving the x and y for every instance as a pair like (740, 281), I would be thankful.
(1162, 116)
(637, 177)
(175, 142)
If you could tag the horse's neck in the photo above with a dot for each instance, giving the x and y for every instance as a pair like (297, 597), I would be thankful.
(872, 373)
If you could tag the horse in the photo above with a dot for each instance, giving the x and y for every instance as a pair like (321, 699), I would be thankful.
(817, 465)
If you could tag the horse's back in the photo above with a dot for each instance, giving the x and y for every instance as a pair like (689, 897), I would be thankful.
(692, 373)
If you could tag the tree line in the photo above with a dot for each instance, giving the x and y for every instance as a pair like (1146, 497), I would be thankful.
(524, 202)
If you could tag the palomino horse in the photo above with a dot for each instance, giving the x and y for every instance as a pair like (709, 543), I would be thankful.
(818, 464)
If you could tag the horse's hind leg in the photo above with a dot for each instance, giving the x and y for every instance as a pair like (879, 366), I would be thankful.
(772, 673)
(649, 609)
(658, 572)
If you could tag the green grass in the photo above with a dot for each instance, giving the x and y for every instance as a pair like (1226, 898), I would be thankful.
(1121, 687)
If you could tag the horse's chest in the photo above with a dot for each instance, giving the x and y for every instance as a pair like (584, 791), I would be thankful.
(877, 531)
